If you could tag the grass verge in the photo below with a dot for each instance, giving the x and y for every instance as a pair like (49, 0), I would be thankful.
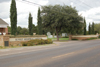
(59, 38)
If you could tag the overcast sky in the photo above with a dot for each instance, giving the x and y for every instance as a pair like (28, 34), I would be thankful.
(90, 9)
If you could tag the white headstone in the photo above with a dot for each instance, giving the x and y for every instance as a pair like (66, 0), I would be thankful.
(50, 36)
(48, 33)
(55, 36)
(63, 34)
(4, 33)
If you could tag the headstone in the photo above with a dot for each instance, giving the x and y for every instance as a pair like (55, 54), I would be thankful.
(0, 33)
(34, 33)
(4, 33)
(50, 36)
(55, 36)
(48, 33)
(64, 34)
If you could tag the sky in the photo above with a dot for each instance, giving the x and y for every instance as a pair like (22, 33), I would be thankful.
(90, 9)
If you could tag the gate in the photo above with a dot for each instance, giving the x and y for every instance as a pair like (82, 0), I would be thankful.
(6, 43)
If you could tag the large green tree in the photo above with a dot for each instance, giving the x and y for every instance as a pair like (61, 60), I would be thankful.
(59, 17)
(84, 27)
(39, 23)
(30, 25)
(13, 17)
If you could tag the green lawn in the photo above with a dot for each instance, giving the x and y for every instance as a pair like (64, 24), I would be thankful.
(59, 38)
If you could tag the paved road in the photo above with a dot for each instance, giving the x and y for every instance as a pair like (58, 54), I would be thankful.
(64, 54)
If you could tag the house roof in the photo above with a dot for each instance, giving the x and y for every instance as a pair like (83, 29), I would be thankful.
(2, 22)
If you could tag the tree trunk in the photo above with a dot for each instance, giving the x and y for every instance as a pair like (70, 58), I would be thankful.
(57, 34)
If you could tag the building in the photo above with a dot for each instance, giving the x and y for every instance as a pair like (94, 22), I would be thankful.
(3, 27)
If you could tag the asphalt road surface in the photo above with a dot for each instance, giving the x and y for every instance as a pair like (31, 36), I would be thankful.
(64, 54)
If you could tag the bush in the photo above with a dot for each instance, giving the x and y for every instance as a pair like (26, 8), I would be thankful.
(91, 38)
(74, 39)
(37, 42)
(1, 47)
(65, 37)
(99, 36)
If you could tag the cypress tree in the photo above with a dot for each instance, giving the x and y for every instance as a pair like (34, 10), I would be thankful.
(89, 28)
(13, 17)
(93, 28)
(84, 27)
(30, 24)
(39, 23)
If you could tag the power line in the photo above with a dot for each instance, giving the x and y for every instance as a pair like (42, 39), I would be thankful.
(85, 4)
(81, 4)
(29, 2)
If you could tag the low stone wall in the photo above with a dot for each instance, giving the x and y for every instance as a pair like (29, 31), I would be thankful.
(17, 40)
(82, 37)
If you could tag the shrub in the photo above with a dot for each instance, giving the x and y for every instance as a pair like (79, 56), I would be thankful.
(1, 47)
(99, 36)
(37, 42)
(65, 37)
(24, 43)
(74, 39)
(91, 38)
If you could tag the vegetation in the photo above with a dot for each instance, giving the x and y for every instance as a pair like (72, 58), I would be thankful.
(39, 23)
(84, 27)
(13, 17)
(37, 42)
(91, 38)
(89, 29)
(59, 38)
(30, 24)
(93, 28)
(97, 28)
(59, 17)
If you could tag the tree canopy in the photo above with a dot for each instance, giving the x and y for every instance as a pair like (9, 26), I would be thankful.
(59, 17)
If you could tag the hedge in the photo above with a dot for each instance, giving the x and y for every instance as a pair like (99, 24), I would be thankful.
(37, 42)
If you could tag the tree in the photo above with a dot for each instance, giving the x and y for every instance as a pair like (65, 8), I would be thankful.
(30, 24)
(89, 29)
(19, 30)
(59, 17)
(34, 29)
(93, 28)
(13, 17)
(97, 28)
(24, 31)
(39, 23)
(9, 29)
(84, 27)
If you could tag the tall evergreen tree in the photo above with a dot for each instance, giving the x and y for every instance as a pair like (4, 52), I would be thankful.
(93, 28)
(89, 28)
(84, 27)
(13, 17)
(39, 23)
(30, 24)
